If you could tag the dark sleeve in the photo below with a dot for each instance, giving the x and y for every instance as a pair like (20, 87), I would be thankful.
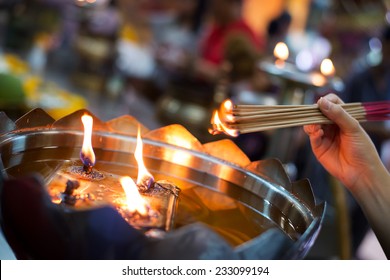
(353, 88)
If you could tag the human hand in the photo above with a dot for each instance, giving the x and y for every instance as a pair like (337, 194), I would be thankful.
(346, 151)
(344, 148)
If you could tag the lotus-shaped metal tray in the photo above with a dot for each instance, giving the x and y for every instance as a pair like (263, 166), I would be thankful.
(229, 207)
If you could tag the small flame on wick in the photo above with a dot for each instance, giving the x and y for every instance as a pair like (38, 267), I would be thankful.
(135, 202)
(327, 68)
(87, 154)
(281, 53)
(144, 179)
(219, 127)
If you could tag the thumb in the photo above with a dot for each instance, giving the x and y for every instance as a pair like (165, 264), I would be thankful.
(338, 115)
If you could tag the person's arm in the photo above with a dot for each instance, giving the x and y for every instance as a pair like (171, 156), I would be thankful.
(346, 151)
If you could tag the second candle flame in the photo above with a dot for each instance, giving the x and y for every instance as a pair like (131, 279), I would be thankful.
(135, 202)
(87, 154)
(144, 179)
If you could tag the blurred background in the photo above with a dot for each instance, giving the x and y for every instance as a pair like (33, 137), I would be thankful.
(174, 61)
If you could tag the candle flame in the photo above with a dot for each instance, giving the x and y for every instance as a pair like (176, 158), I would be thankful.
(219, 127)
(144, 179)
(87, 154)
(327, 68)
(281, 53)
(135, 202)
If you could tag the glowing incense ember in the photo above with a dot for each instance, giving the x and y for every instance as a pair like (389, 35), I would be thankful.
(281, 53)
(144, 179)
(135, 202)
(87, 154)
(227, 106)
(327, 68)
(219, 127)
(240, 119)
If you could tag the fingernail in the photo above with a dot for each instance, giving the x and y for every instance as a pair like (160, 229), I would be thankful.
(325, 104)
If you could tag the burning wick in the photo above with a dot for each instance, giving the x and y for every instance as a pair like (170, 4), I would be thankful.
(144, 179)
(135, 202)
(87, 155)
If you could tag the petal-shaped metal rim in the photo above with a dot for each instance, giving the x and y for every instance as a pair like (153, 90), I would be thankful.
(271, 169)
(6, 124)
(34, 118)
(72, 121)
(132, 128)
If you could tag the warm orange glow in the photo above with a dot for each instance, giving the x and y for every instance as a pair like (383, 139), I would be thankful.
(218, 126)
(227, 108)
(180, 141)
(318, 80)
(258, 13)
(281, 51)
(327, 67)
(143, 173)
(228, 105)
(135, 202)
(87, 154)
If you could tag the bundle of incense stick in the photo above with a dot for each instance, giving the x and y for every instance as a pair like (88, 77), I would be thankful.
(238, 119)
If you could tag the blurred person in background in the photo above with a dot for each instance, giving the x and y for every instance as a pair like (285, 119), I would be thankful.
(227, 24)
(227, 53)
(224, 35)
(277, 30)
